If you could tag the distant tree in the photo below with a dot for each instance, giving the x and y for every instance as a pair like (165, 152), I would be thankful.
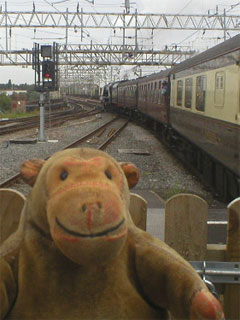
(5, 103)
(9, 85)
(3, 86)
(22, 95)
(14, 96)
(32, 95)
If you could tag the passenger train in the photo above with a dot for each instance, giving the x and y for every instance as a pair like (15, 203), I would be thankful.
(195, 107)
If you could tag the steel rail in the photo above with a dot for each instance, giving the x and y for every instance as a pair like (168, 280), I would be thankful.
(31, 118)
(75, 143)
(6, 183)
(113, 136)
(32, 123)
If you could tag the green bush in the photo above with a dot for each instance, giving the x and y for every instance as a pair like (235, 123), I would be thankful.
(32, 95)
(5, 103)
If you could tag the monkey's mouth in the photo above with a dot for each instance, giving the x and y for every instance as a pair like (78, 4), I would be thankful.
(90, 235)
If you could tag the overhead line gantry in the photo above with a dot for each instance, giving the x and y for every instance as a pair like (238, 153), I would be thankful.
(109, 55)
(88, 20)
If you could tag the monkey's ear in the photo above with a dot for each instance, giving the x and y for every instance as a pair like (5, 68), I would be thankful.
(30, 169)
(132, 173)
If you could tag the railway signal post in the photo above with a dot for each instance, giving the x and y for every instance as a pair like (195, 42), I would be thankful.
(46, 76)
(42, 118)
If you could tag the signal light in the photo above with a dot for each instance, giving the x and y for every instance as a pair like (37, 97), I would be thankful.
(48, 74)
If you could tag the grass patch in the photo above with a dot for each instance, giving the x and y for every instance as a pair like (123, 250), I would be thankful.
(17, 115)
(174, 190)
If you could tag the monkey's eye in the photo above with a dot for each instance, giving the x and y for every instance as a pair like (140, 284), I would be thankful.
(108, 174)
(64, 175)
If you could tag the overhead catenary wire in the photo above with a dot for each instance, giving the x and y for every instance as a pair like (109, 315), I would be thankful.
(97, 7)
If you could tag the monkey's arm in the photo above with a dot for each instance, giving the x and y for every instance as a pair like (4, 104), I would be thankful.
(170, 282)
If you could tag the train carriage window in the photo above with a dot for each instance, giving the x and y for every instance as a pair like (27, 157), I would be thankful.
(159, 92)
(201, 92)
(179, 92)
(172, 95)
(188, 92)
(148, 93)
(219, 89)
(155, 93)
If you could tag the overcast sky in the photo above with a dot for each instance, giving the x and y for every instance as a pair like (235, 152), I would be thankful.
(24, 38)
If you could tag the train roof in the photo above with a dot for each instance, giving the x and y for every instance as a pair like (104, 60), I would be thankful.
(128, 82)
(221, 49)
(157, 75)
(114, 84)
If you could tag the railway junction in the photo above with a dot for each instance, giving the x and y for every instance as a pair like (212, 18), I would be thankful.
(195, 213)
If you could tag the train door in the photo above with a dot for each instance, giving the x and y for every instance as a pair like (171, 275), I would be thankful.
(219, 89)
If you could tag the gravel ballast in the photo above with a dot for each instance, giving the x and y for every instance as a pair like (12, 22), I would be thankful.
(160, 171)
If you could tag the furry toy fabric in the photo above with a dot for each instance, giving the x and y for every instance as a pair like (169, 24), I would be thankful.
(78, 255)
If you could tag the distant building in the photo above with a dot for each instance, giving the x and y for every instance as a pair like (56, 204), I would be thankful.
(10, 92)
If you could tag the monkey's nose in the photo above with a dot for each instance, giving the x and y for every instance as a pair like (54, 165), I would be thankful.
(93, 216)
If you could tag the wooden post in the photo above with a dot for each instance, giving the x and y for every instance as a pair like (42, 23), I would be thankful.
(186, 225)
(138, 211)
(232, 291)
(11, 204)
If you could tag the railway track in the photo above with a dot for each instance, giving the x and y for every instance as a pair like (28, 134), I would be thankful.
(9, 121)
(17, 179)
(58, 136)
(76, 110)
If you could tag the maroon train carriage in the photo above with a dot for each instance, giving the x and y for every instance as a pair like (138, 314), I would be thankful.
(127, 96)
(153, 96)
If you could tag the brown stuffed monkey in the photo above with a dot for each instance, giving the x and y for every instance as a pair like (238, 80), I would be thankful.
(78, 255)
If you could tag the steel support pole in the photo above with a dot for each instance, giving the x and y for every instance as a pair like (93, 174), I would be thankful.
(66, 42)
(224, 25)
(124, 35)
(42, 124)
(6, 28)
(81, 25)
(136, 34)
